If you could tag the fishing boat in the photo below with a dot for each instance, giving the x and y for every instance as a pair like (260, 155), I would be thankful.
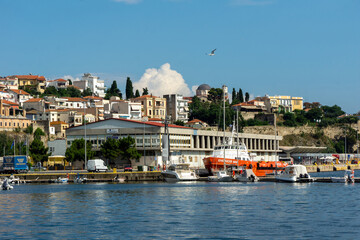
(179, 172)
(294, 173)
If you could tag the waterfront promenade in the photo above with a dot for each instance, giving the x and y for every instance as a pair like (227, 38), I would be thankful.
(50, 176)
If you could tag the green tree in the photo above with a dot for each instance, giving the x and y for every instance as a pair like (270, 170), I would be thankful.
(314, 115)
(145, 91)
(110, 149)
(137, 93)
(73, 92)
(70, 82)
(289, 119)
(113, 91)
(129, 91)
(29, 129)
(332, 112)
(77, 151)
(240, 96)
(234, 99)
(247, 97)
(38, 152)
(87, 92)
(179, 123)
(127, 148)
(38, 133)
(215, 94)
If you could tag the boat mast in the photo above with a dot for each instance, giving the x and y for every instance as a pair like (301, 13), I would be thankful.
(237, 135)
(224, 125)
(275, 145)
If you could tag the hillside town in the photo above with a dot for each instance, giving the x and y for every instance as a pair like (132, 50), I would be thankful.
(68, 110)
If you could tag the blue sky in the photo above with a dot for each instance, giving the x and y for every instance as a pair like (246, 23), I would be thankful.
(303, 48)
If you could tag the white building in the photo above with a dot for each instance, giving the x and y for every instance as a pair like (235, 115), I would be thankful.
(187, 145)
(58, 83)
(177, 107)
(88, 81)
(9, 83)
(117, 108)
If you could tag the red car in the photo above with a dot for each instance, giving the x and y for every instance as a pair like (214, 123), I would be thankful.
(128, 169)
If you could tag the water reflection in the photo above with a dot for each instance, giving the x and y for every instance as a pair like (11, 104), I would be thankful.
(191, 210)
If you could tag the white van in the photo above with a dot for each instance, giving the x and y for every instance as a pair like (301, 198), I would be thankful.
(96, 165)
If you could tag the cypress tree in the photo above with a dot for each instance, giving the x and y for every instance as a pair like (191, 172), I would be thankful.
(247, 96)
(129, 91)
(240, 96)
(137, 93)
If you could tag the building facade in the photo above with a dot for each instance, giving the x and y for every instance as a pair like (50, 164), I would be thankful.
(187, 145)
(151, 106)
(177, 107)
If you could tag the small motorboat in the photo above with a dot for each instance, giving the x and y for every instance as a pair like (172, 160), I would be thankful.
(179, 172)
(294, 173)
(348, 177)
(245, 175)
(6, 185)
(62, 180)
(221, 176)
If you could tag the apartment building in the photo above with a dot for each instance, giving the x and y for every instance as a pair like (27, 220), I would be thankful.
(152, 106)
(31, 80)
(177, 107)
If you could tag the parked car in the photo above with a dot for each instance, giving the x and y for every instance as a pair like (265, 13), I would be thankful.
(128, 169)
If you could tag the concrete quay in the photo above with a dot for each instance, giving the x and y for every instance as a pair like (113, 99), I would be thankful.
(91, 177)
(331, 168)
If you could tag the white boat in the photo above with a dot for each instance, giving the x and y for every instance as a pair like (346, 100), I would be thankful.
(179, 172)
(348, 177)
(62, 180)
(245, 175)
(6, 185)
(221, 176)
(295, 173)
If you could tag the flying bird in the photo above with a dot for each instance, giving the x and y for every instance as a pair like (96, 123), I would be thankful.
(212, 52)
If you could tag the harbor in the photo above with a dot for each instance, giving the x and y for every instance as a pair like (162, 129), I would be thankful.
(139, 176)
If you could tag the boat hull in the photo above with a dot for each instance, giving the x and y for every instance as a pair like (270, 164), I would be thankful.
(260, 169)
(170, 176)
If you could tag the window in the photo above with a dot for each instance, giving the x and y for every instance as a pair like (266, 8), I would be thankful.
(149, 103)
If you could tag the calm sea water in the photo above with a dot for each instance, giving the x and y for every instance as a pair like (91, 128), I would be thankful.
(262, 210)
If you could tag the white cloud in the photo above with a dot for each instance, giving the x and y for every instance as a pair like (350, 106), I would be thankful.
(162, 81)
(66, 77)
(128, 1)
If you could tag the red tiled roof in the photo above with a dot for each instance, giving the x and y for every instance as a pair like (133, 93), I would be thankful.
(71, 99)
(19, 91)
(34, 100)
(10, 103)
(157, 124)
(31, 77)
(93, 97)
(146, 96)
(57, 123)
(57, 110)
(195, 121)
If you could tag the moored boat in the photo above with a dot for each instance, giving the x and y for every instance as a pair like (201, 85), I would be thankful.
(179, 172)
(294, 173)
(237, 155)
(221, 176)
(348, 177)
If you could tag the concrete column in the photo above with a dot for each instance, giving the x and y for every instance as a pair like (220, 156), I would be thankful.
(208, 142)
(197, 142)
(251, 144)
(213, 141)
